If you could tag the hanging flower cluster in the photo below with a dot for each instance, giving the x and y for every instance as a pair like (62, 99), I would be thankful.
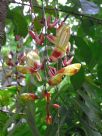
(32, 63)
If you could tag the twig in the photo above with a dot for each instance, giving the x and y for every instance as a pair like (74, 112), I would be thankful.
(98, 20)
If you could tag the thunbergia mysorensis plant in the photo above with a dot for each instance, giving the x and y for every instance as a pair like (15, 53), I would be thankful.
(31, 62)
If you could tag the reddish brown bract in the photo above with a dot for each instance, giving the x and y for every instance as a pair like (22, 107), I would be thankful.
(49, 120)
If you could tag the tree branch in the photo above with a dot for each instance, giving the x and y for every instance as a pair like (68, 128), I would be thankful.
(98, 20)
(3, 13)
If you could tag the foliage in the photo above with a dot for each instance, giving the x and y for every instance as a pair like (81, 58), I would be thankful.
(79, 96)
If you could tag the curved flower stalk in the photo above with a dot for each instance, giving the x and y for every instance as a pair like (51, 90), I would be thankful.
(61, 41)
(32, 66)
(69, 70)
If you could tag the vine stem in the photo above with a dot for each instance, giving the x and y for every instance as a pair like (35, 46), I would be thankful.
(45, 42)
(98, 20)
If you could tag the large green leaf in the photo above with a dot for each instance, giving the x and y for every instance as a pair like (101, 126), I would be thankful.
(6, 95)
(21, 129)
(78, 79)
(83, 51)
(96, 49)
(99, 71)
(19, 21)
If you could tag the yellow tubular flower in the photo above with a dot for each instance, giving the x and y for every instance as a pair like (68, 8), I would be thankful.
(32, 65)
(63, 36)
(32, 58)
(61, 42)
(69, 70)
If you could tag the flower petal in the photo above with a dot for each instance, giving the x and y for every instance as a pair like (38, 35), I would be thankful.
(28, 97)
(56, 54)
(55, 80)
(33, 60)
(22, 69)
(70, 69)
(51, 38)
(63, 37)
(49, 120)
(67, 62)
(38, 76)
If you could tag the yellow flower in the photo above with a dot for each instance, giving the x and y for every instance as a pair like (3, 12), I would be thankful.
(69, 70)
(33, 60)
(32, 65)
(61, 41)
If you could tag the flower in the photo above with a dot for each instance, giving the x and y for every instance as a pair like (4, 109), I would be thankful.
(10, 63)
(66, 62)
(33, 60)
(49, 119)
(28, 97)
(61, 41)
(32, 66)
(52, 71)
(56, 106)
(69, 70)
(47, 96)
(51, 25)
(39, 39)
(55, 80)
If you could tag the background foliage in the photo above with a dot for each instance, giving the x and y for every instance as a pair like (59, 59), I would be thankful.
(80, 96)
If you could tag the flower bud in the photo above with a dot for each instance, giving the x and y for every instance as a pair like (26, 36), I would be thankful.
(47, 96)
(56, 106)
(49, 120)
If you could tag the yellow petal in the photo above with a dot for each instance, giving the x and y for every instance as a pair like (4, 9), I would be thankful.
(22, 69)
(55, 80)
(63, 36)
(70, 69)
(31, 58)
(38, 76)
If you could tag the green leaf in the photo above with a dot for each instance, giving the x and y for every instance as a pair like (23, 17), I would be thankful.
(37, 24)
(19, 21)
(21, 129)
(66, 9)
(78, 79)
(3, 119)
(83, 51)
(99, 72)
(6, 95)
(96, 49)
